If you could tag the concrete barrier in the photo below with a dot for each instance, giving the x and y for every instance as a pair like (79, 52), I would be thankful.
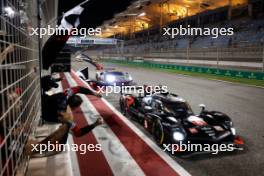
(206, 70)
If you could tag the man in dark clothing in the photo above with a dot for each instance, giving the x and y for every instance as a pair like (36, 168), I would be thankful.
(47, 82)
(55, 104)
(54, 107)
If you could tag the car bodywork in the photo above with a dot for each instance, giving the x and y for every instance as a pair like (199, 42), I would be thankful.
(170, 120)
(113, 77)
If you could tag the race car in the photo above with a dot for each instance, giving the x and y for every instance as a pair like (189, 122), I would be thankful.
(113, 77)
(170, 120)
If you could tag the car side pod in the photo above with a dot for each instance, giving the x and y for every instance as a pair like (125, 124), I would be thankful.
(239, 141)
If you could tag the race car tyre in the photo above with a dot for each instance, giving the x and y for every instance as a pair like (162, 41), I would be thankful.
(157, 132)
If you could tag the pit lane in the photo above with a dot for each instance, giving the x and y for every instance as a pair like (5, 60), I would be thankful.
(243, 104)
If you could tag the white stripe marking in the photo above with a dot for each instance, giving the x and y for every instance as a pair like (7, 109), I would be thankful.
(172, 163)
(118, 158)
(72, 157)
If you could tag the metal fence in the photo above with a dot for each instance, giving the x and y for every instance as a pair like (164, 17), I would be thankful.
(19, 83)
(195, 69)
(249, 58)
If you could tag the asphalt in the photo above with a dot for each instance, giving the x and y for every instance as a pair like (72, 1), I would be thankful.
(244, 104)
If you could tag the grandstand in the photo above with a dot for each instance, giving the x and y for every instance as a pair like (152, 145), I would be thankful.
(246, 19)
(134, 33)
(247, 33)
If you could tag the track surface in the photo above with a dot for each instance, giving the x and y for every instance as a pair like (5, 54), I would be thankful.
(244, 104)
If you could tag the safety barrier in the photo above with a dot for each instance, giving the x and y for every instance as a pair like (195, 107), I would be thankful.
(206, 70)
(19, 85)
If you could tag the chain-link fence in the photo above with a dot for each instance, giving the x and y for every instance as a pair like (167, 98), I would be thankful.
(19, 83)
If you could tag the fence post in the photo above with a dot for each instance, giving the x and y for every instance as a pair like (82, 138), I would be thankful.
(263, 59)
(187, 55)
(217, 58)
(122, 49)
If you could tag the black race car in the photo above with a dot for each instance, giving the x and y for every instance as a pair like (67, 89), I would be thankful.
(170, 120)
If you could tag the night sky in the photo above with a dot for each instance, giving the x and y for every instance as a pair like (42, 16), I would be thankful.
(96, 11)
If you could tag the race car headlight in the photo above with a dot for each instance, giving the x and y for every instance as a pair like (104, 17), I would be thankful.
(178, 136)
(233, 130)
(130, 78)
(110, 78)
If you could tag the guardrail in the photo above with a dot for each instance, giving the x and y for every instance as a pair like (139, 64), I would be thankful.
(206, 70)
(251, 58)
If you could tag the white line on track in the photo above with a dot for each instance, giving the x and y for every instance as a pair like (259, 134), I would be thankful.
(172, 163)
(118, 158)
